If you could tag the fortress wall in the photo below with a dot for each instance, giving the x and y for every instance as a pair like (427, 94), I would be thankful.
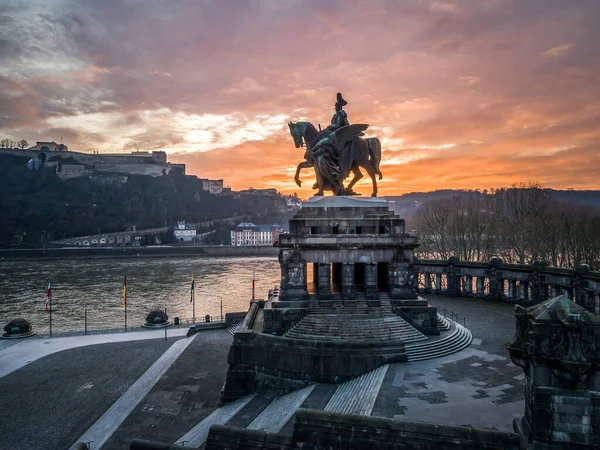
(87, 158)
(154, 170)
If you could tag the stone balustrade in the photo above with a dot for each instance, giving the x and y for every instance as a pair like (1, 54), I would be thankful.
(524, 284)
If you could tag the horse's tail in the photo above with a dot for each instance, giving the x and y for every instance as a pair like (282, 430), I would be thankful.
(375, 154)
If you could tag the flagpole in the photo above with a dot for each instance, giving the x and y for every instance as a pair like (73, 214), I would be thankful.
(125, 299)
(50, 302)
(253, 284)
(193, 300)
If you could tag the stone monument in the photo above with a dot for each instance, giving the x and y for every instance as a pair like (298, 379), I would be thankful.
(359, 309)
(556, 343)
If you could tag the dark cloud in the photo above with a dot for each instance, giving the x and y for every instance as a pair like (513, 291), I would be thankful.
(496, 79)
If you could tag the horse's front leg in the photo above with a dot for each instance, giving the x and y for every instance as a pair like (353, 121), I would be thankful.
(357, 176)
(302, 165)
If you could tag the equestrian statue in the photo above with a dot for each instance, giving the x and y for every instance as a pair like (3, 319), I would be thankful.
(336, 151)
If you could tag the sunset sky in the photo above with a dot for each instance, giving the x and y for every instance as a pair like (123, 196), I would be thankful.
(462, 94)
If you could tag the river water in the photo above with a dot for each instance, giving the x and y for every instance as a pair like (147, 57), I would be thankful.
(152, 283)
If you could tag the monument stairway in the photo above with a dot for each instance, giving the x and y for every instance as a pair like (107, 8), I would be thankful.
(235, 327)
(274, 417)
(356, 396)
(350, 323)
(458, 338)
(443, 323)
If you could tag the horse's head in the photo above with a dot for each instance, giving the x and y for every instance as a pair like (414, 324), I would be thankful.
(297, 130)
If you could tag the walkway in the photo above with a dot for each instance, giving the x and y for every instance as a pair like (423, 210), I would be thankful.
(25, 352)
(104, 427)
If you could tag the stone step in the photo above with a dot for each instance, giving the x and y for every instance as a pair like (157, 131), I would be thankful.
(350, 311)
(357, 396)
(443, 323)
(353, 330)
(458, 340)
(235, 327)
(197, 435)
(380, 329)
(352, 326)
(274, 417)
(357, 333)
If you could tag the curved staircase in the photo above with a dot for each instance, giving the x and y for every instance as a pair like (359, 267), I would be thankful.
(458, 339)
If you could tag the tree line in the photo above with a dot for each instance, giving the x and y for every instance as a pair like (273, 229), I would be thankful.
(9, 143)
(521, 224)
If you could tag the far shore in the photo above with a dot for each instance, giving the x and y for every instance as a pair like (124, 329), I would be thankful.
(135, 252)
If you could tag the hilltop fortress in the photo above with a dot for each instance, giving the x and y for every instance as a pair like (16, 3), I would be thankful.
(70, 164)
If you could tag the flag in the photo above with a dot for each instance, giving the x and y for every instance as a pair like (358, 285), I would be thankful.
(125, 292)
(192, 290)
(48, 295)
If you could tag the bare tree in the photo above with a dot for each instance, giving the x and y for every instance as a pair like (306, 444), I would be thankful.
(22, 144)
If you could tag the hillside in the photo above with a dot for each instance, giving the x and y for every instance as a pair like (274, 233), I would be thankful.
(408, 204)
(37, 202)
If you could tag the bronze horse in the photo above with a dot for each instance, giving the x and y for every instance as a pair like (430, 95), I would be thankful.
(365, 153)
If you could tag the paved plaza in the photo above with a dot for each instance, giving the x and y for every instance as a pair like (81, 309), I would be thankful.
(59, 396)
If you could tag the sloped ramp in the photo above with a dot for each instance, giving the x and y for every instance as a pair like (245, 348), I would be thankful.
(357, 396)
(274, 417)
(197, 435)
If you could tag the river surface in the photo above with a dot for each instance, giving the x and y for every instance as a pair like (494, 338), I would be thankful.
(152, 283)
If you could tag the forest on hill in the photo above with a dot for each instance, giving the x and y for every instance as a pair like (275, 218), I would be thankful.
(521, 224)
(35, 203)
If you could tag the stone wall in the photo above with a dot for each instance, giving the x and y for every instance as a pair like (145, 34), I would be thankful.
(260, 362)
(278, 321)
(523, 284)
(320, 430)
(234, 317)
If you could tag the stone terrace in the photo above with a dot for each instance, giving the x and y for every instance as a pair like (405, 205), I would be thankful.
(477, 386)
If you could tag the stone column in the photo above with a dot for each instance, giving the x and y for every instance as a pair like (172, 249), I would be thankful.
(348, 292)
(324, 281)
(525, 291)
(596, 303)
(427, 282)
(553, 291)
(500, 288)
(512, 291)
(469, 284)
(493, 286)
(438, 283)
(451, 281)
(562, 399)
(371, 281)
(479, 283)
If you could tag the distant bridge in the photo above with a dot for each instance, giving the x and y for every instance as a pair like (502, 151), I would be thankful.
(133, 238)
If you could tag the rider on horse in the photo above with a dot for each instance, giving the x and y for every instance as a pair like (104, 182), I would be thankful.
(340, 118)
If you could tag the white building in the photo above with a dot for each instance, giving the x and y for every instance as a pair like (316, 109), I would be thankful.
(184, 232)
(212, 186)
(249, 234)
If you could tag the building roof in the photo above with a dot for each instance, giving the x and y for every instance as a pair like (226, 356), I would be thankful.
(259, 228)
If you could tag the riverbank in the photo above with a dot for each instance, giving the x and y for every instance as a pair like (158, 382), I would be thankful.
(134, 252)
